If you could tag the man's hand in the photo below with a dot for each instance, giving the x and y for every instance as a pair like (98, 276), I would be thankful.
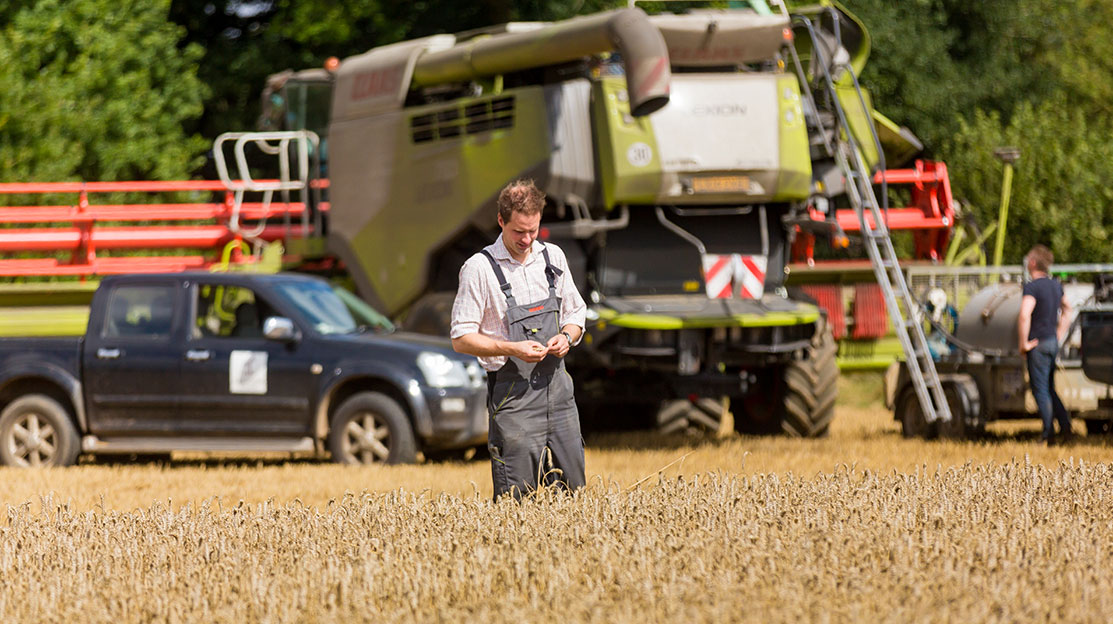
(1028, 345)
(558, 345)
(529, 350)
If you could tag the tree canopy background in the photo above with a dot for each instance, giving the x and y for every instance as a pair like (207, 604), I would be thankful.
(111, 89)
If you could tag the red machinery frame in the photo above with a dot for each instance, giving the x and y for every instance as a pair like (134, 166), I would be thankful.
(83, 230)
(930, 216)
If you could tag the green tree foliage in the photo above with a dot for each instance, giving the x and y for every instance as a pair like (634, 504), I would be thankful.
(96, 90)
(910, 72)
(934, 62)
(246, 41)
(1061, 192)
(1083, 63)
(968, 77)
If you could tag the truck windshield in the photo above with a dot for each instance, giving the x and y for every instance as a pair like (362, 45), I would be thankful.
(365, 315)
(320, 305)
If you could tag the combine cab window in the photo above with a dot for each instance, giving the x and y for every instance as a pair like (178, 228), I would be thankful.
(300, 104)
(307, 106)
(646, 258)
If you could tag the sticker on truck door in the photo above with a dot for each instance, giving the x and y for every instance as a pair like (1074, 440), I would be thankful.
(247, 372)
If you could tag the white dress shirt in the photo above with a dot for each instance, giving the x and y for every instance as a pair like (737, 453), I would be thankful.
(481, 306)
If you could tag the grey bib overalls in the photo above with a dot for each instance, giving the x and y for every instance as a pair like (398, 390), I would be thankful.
(534, 429)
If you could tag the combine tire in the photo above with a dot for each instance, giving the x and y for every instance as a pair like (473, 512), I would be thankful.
(683, 415)
(811, 387)
(797, 400)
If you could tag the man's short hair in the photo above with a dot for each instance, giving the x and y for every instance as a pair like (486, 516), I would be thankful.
(520, 196)
(1042, 257)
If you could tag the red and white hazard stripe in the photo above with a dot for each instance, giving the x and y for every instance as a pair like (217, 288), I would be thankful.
(718, 274)
(749, 274)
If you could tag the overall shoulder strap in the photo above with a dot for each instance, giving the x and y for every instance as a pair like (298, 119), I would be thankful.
(551, 271)
(503, 284)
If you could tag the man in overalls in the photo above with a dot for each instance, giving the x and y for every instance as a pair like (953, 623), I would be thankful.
(519, 312)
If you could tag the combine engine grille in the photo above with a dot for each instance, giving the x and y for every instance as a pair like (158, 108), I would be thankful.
(454, 121)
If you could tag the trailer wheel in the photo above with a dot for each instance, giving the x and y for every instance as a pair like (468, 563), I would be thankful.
(1098, 427)
(36, 431)
(963, 401)
(371, 428)
(913, 424)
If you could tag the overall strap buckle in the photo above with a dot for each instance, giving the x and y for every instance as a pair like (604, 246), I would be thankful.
(551, 272)
(503, 284)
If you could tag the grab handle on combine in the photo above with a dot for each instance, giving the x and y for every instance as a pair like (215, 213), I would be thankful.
(277, 144)
(302, 140)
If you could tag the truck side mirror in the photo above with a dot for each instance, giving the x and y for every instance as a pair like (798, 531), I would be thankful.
(279, 328)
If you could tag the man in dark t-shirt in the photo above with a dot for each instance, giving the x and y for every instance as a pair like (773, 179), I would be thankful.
(1043, 324)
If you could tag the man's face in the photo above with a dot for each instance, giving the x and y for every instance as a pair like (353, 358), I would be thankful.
(519, 233)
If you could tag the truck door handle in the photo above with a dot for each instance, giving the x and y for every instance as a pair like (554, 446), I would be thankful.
(198, 355)
(108, 354)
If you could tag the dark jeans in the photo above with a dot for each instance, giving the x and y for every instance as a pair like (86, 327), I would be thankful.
(1041, 378)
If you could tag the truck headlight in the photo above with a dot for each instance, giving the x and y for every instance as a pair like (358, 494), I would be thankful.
(477, 375)
(441, 371)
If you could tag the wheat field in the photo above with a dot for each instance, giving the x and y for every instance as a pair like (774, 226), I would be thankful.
(860, 526)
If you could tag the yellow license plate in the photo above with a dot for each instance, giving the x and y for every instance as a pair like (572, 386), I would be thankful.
(721, 184)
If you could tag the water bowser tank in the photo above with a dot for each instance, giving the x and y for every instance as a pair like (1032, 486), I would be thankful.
(989, 319)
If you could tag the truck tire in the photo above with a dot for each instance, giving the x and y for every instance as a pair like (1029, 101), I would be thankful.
(36, 431)
(371, 428)
(431, 314)
(811, 387)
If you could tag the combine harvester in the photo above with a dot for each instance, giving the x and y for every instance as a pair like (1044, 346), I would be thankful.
(682, 155)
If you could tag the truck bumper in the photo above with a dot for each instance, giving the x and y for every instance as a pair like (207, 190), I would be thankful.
(459, 417)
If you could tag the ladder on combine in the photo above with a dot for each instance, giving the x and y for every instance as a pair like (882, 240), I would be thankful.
(848, 156)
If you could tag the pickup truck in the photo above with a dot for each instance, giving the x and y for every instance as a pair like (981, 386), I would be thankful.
(239, 363)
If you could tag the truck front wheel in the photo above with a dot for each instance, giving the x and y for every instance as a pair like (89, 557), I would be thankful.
(371, 428)
(36, 431)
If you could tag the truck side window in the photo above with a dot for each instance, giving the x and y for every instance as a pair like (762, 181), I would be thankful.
(228, 312)
(140, 311)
